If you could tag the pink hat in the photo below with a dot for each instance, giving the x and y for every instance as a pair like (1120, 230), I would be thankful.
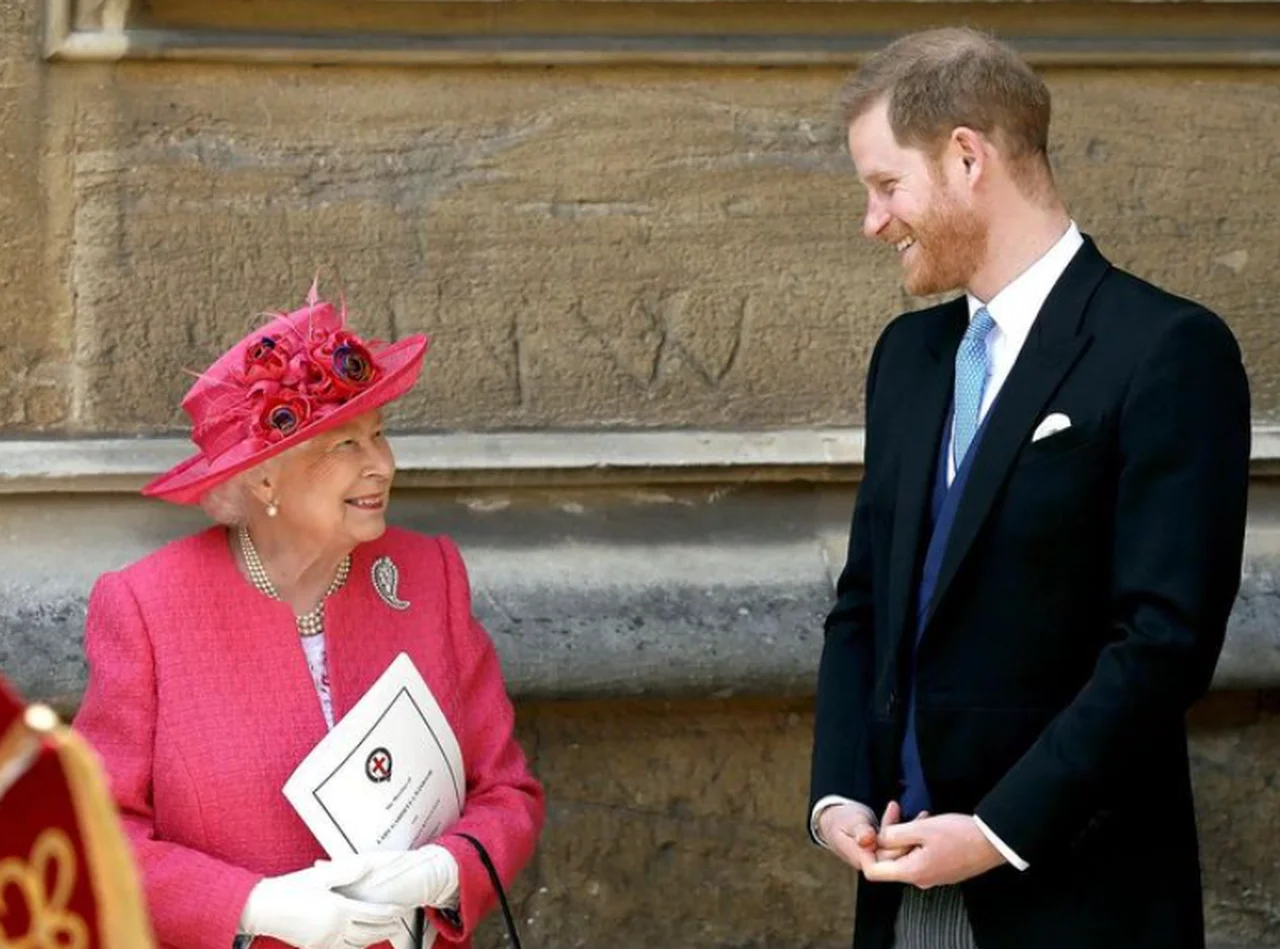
(303, 373)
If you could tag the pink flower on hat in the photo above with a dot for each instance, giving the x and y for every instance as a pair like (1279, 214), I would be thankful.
(332, 366)
(265, 359)
(286, 381)
(345, 363)
(279, 411)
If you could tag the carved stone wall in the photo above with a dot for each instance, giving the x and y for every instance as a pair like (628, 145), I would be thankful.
(588, 246)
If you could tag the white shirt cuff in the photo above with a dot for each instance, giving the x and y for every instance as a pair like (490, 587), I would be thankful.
(831, 800)
(1005, 850)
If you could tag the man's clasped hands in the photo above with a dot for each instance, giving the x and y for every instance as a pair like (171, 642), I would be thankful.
(926, 851)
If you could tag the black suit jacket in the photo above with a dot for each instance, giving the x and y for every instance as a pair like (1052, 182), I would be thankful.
(1079, 611)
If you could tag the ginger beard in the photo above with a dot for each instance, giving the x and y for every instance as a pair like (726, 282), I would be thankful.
(949, 242)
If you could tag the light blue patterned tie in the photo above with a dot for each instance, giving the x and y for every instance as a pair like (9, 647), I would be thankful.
(971, 380)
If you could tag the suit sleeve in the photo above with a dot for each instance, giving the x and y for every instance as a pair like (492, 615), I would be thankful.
(1183, 442)
(841, 764)
(195, 900)
(504, 807)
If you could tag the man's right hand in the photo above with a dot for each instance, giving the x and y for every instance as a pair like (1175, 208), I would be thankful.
(893, 815)
(849, 831)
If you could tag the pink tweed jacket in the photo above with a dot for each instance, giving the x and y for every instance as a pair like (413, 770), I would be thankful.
(200, 703)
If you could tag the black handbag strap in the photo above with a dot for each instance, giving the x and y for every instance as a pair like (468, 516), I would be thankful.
(420, 920)
(497, 886)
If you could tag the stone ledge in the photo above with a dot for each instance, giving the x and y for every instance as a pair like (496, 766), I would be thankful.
(465, 459)
(671, 641)
(631, 32)
(472, 458)
(702, 593)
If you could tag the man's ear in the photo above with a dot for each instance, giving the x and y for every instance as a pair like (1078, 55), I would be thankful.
(971, 152)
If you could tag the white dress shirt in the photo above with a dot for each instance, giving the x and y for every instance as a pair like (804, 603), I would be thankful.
(1014, 311)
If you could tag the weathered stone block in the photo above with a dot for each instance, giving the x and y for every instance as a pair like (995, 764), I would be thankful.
(680, 825)
(35, 334)
(1238, 807)
(683, 825)
(589, 247)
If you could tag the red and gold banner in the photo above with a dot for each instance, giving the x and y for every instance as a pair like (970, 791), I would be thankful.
(67, 879)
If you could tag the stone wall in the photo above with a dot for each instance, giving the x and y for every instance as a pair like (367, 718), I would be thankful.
(597, 246)
(682, 824)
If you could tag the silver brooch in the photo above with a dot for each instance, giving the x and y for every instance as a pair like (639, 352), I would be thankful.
(386, 580)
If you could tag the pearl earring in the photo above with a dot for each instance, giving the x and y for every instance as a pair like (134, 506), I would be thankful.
(272, 509)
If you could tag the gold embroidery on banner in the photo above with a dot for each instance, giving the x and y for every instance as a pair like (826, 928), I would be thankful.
(52, 925)
(122, 920)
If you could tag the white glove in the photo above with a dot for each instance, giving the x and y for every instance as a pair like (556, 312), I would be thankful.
(303, 910)
(409, 879)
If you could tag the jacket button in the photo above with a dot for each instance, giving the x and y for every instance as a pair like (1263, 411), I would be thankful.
(892, 705)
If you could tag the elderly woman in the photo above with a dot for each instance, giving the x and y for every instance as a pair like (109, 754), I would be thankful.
(217, 663)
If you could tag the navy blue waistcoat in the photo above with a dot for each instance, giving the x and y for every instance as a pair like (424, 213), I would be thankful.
(942, 514)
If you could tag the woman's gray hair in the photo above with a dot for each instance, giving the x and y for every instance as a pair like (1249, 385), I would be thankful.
(230, 502)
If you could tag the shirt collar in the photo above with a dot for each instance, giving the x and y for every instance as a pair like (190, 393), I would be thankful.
(1015, 307)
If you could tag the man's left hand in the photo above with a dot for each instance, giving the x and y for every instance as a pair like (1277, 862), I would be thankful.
(949, 848)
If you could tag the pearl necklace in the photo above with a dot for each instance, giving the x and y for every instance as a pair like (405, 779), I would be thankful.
(310, 623)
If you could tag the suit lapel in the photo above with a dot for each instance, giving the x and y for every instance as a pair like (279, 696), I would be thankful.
(921, 423)
(1056, 342)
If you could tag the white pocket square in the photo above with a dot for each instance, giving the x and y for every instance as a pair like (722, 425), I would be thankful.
(1051, 425)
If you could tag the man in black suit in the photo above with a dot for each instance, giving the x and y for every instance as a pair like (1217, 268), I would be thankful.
(1044, 551)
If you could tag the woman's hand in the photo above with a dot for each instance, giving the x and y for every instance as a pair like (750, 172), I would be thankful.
(303, 909)
(427, 876)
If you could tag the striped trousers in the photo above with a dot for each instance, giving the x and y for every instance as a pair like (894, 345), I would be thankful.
(933, 919)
